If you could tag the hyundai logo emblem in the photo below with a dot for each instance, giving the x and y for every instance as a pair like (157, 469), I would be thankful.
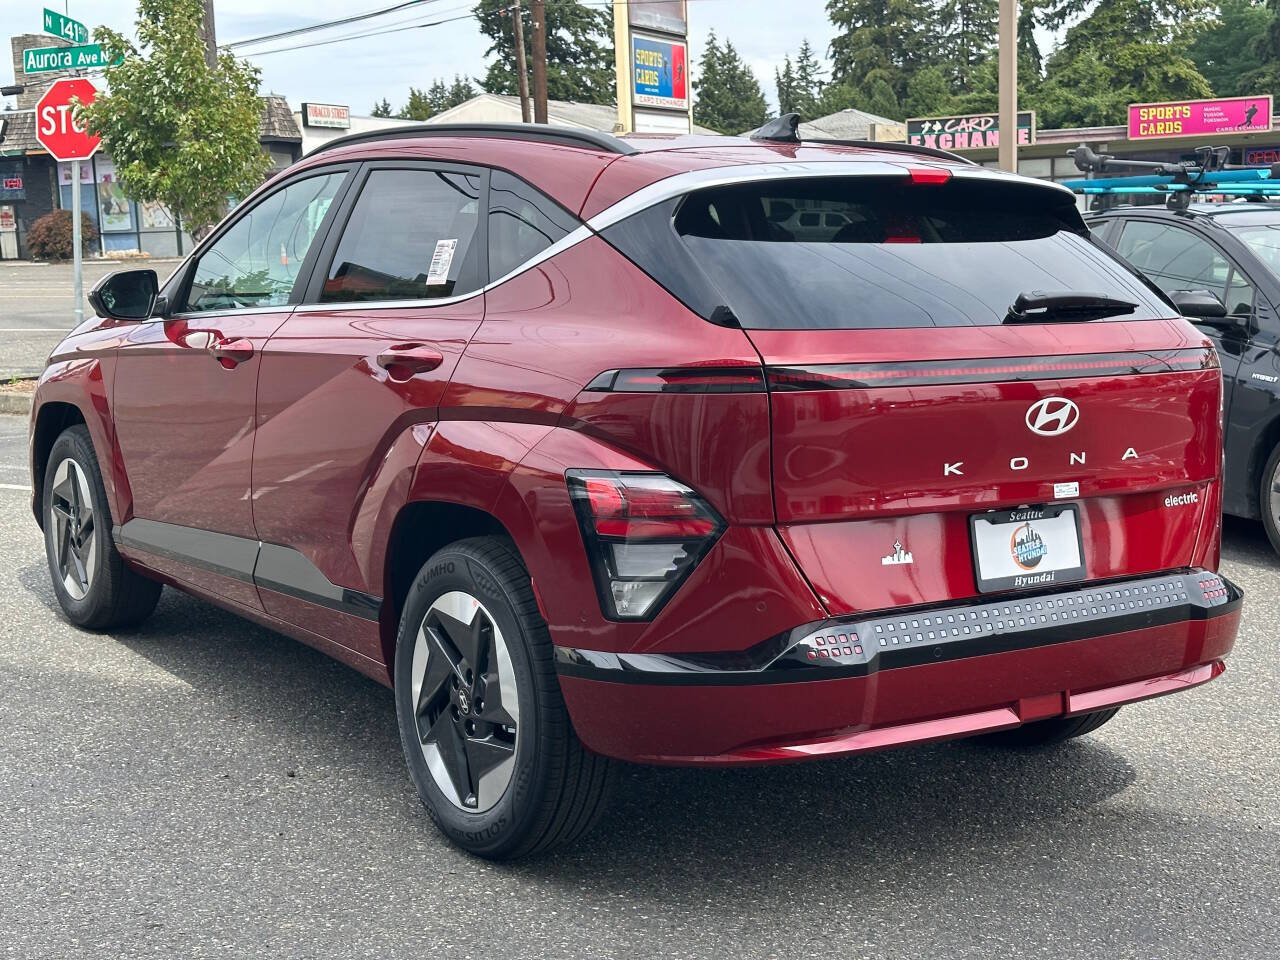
(1052, 416)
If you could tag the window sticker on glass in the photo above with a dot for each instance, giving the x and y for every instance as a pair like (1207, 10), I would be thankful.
(441, 260)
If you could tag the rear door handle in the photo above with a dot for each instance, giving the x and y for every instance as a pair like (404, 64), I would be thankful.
(231, 352)
(403, 360)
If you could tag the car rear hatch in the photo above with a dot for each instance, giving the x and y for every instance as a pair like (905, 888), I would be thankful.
(932, 442)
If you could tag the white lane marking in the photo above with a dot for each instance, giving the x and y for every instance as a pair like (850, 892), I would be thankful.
(14, 486)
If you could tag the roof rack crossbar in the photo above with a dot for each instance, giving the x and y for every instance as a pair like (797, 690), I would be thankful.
(540, 133)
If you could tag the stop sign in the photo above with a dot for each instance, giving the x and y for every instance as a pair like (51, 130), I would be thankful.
(56, 129)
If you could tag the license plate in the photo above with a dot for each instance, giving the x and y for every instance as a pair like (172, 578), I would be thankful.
(1028, 547)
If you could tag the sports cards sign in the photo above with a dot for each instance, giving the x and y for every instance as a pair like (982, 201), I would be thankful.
(659, 73)
(1197, 118)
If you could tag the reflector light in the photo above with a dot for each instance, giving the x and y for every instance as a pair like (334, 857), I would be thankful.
(644, 534)
(680, 380)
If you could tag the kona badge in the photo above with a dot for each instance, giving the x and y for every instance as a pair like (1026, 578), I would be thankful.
(1027, 547)
(898, 557)
(1052, 416)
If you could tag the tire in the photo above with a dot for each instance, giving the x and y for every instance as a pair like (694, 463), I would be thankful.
(1269, 498)
(94, 586)
(1042, 733)
(486, 735)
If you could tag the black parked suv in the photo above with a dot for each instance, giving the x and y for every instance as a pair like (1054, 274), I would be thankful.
(1232, 251)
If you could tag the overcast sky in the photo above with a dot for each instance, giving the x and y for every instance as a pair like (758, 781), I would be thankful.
(360, 72)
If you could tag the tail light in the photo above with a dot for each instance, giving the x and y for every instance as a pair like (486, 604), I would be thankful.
(644, 534)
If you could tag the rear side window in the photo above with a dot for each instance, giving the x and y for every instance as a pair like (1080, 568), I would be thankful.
(412, 235)
(872, 252)
(522, 223)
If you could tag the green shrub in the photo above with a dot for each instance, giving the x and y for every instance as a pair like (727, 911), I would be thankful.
(50, 237)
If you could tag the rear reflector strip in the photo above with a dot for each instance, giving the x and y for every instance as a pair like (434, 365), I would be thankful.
(854, 376)
(680, 380)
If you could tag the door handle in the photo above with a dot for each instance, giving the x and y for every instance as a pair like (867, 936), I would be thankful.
(404, 360)
(231, 352)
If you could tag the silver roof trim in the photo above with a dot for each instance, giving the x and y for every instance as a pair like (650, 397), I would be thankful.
(682, 183)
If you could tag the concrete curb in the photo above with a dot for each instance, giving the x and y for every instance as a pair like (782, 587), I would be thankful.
(18, 404)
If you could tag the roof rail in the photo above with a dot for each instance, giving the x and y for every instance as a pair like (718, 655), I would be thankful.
(542, 133)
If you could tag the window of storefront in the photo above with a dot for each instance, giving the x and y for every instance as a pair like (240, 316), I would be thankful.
(122, 224)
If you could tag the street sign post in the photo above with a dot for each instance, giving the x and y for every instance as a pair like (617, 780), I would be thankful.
(85, 57)
(66, 139)
(63, 26)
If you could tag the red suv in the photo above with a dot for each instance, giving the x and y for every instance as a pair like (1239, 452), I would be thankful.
(694, 451)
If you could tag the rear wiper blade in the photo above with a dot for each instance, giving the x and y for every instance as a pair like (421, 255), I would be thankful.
(1065, 306)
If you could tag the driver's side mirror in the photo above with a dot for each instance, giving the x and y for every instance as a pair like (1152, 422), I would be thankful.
(1202, 306)
(126, 295)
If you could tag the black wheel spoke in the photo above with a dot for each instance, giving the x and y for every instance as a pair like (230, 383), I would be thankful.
(483, 755)
(64, 546)
(462, 637)
(81, 569)
(495, 711)
(453, 753)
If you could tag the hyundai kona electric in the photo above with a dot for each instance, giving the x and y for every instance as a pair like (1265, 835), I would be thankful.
(700, 451)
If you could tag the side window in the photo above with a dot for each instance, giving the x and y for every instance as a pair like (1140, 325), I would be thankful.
(255, 263)
(1239, 299)
(522, 223)
(411, 236)
(1174, 258)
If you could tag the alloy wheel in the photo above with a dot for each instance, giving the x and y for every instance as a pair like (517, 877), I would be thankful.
(74, 529)
(1274, 504)
(466, 706)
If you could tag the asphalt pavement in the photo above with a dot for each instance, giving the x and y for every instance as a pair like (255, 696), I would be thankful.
(202, 787)
(37, 307)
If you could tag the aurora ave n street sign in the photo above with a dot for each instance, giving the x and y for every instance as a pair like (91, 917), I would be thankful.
(44, 59)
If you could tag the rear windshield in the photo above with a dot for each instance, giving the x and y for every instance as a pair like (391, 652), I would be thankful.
(866, 252)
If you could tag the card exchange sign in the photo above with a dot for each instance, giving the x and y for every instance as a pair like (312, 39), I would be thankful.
(979, 131)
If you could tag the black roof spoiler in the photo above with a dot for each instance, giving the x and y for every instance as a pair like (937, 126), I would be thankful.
(786, 129)
(536, 132)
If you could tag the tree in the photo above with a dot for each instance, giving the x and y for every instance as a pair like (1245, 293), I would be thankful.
(785, 82)
(879, 44)
(967, 29)
(382, 109)
(580, 63)
(1240, 54)
(437, 98)
(728, 95)
(928, 94)
(1122, 52)
(180, 132)
(808, 81)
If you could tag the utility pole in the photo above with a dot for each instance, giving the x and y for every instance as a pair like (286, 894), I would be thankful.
(539, 10)
(1008, 152)
(522, 70)
(210, 38)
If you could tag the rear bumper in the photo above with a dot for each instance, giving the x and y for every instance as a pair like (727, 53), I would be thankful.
(915, 676)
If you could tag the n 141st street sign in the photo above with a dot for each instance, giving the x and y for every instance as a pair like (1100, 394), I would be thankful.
(64, 27)
(44, 59)
(56, 128)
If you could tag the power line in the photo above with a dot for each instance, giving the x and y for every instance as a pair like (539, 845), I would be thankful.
(312, 28)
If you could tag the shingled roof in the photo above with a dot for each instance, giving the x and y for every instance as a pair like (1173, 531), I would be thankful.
(277, 121)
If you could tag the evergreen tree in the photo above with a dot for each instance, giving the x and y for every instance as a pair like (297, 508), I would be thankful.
(879, 44)
(1122, 52)
(808, 81)
(968, 29)
(728, 95)
(1232, 53)
(928, 94)
(785, 82)
(419, 106)
(460, 91)
(580, 63)
(382, 109)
